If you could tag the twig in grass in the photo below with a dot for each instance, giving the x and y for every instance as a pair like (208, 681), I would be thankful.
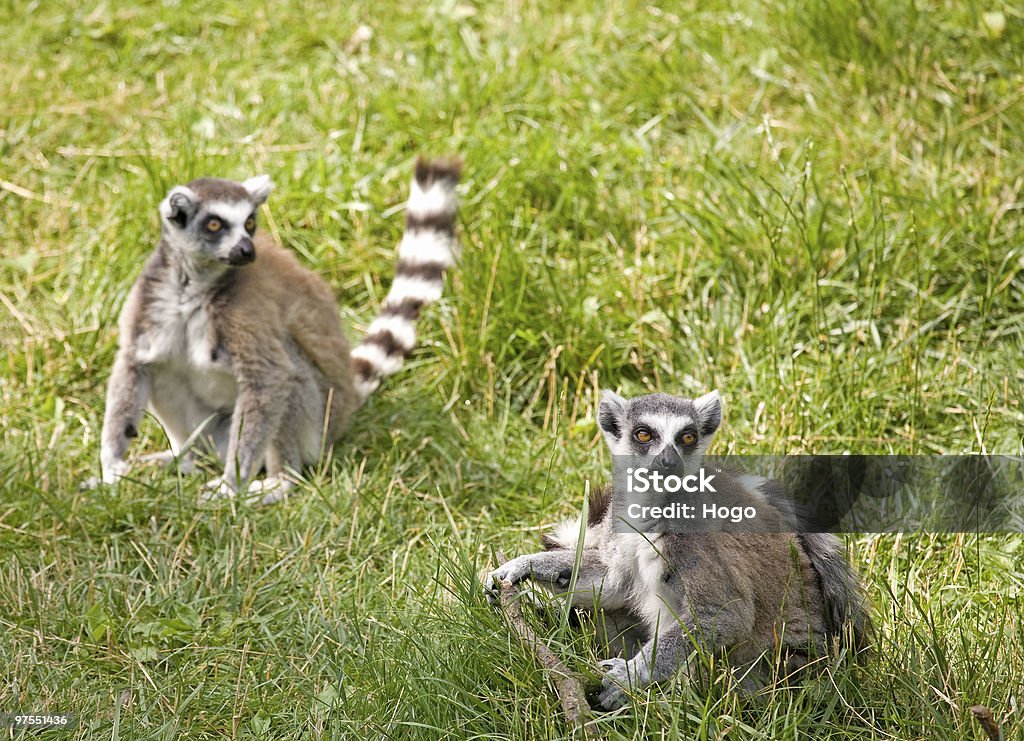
(988, 721)
(575, 708)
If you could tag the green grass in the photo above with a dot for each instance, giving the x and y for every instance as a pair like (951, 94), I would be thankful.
(814, 207)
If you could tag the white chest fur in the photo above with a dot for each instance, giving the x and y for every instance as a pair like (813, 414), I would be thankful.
(636, 567)
(180, 338)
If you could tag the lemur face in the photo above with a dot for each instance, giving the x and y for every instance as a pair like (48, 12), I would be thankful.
(666, 429)
(214, 220)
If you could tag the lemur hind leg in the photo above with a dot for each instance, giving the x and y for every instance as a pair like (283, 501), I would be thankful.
(300, 439)
(670, 649)
(619, 633)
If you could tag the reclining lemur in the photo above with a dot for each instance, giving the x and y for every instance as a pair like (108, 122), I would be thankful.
(751, 595)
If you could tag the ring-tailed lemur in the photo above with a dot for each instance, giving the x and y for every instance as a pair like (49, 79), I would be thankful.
(750, 594)
(236, 347)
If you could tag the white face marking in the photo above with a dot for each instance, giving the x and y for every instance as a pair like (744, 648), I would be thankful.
(668, 426)
(622, 446)
(232, 216)
(234, 213)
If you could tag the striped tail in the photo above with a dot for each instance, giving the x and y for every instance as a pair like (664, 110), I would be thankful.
(427, 249)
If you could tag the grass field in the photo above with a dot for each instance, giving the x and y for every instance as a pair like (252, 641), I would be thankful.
(813, 207)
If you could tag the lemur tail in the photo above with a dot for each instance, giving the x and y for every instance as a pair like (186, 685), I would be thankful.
(427, 249)
(845, 603)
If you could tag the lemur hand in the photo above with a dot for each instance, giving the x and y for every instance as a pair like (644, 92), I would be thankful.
(614, 683)
(513, 572)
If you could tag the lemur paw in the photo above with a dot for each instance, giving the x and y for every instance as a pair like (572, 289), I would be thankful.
(114, 471)
(614, 683)
(217, 488)
(513, 572)
(159, 458)
(271, 490)
(185, 463)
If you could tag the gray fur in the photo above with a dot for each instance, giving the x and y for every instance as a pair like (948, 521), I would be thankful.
(842, 592)
(751, 596)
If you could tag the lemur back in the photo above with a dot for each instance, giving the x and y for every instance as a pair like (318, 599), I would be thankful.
(237, 348)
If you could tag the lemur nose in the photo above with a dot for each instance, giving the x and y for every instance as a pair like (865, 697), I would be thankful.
(243, 252)
(668, 458)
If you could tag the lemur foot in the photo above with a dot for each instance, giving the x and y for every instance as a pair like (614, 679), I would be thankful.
(614, 683)
(184, 463)
(216, 488)
(271, 490)
(112, 473)
(160, 458)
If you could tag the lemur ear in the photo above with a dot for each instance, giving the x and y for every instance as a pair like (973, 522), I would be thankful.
(611, 413)
(259, 188)
(709, 411)
(179, 206)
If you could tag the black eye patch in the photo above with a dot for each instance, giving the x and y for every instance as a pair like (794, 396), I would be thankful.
(687, 437)
(212, 227)
(643, 435)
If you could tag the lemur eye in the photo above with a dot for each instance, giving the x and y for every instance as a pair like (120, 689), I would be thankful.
(642, 435)
(250, 225)
(688, 438)
(213, 225)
